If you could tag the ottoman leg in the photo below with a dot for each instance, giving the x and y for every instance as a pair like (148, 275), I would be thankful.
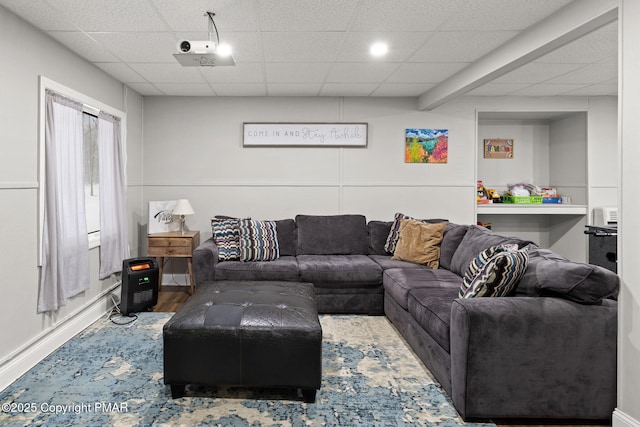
(177, 391)
(309, 395)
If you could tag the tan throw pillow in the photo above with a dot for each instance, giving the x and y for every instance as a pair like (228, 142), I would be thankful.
(419, 242)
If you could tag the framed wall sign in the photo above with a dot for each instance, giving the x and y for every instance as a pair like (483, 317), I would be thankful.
(498, 148)
(305, 134)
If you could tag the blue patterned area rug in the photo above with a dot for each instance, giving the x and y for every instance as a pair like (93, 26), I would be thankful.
(112, 375)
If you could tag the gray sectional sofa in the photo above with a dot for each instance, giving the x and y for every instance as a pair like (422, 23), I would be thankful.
(548, 350)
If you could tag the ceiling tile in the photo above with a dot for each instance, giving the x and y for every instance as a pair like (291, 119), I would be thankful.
(120, 71)
(426, 72)
(536, 72)
(84, 45)
(112, 15)
(185, 89)
(41, 14)
(593, 47)
(240, 73)
(595, 90)
(348, 89)
(293, 89)
(139, 47)
(401, 46)
(168, 73)
(402, 89)
(230, 15)
(239, 89)
(546, 90)
(280, 72)
(460, 46)
(301, 47)
(588, 74)
(308, 15)
(360, 72)
(501, 14)
(404, 15)
(145, 89)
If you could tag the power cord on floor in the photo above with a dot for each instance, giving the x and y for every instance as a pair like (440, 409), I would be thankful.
(115, 311)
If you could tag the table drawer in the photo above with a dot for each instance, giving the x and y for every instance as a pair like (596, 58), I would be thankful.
(170, 241)
(169, 250)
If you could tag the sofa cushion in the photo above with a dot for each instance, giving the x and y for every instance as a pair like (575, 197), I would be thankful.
(284, 268)
(378, 233)
(387, 262)
(286, 229)
(419, 242)
(332, 235)
(582, 283)
(258, 240)
(499, 275)
(451, 238)
(394, 231)
(399, 282)
(431, 309)
(344, 270)
(479, 262)
(226, 235)
(475, 240)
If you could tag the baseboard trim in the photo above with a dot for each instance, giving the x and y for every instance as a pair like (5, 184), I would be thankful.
(51, 339)
(620, 419)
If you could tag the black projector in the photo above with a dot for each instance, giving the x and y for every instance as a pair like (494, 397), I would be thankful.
(139, 290)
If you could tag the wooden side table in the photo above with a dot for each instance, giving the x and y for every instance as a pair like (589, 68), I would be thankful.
(173, 244)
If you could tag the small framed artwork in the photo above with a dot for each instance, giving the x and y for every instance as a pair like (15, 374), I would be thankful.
(426, 145)
(498, 148)
(160, 218)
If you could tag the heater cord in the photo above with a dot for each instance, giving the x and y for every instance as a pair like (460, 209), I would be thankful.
(115, 311)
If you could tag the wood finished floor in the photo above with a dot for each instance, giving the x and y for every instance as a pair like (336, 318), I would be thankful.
(171, 298)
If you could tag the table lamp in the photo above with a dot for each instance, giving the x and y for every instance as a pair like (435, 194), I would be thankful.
(183, 207)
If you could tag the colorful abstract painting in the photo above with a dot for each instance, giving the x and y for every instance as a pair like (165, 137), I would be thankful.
(426, 146)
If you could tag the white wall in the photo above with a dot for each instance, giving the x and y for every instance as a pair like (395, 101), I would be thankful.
(25, 332)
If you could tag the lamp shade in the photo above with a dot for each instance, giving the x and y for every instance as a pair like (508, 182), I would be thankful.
(183, 207)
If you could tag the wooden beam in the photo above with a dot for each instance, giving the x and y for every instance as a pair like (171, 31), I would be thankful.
(568, 24)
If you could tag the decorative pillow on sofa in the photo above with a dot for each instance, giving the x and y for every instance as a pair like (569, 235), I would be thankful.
(497, 271)
(258, 240)
(419, 242)
(226, 235)
(394, 233)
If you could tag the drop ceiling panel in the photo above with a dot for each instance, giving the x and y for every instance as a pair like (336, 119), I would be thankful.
(168, 73)
(425, 73)
(402, 89)
(241, 73)
(595, 90)
(308, 15)
(280, 72)
(588, 74)
(185, 89)
(139, 47)
(404, 15)
(537, 72)
(595, 46)
(41, 14)
(301, 47)
(112, 15)
(501, 14)
(460, 46)
(239, 89)
(294, 89)
(145, 89)
(121, 71)
(84, 45)
(360, 72)
(230, 15)
(546, 90)
(348, 89)
(497, 89)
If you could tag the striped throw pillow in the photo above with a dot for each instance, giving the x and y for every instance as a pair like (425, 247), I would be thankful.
(226, 235)
(499, 275)
(258, 240)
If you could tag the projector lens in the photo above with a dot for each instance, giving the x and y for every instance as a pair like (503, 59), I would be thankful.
(185, 46)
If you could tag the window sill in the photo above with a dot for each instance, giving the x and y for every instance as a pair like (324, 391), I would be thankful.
(94, 240)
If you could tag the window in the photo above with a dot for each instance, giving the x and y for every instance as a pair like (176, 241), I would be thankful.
(91, 176)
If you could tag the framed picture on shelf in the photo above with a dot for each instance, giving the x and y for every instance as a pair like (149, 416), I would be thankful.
(498, 148)
(160, 218)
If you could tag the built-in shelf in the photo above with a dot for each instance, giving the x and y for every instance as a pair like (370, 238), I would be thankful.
(542, 209)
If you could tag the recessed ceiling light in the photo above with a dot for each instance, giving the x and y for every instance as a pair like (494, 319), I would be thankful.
(379, 49)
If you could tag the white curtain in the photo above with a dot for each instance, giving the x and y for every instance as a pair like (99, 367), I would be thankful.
(114, 243)
(65, 248)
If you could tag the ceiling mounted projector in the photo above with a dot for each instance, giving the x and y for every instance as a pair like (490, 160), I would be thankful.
(206, 53)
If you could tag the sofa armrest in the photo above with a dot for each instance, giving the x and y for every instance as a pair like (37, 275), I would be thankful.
(205, 258)
(533, 357)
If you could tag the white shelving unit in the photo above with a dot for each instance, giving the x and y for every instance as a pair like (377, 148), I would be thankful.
(550, 149)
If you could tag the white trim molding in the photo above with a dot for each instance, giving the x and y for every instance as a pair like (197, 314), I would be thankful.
(620, 419)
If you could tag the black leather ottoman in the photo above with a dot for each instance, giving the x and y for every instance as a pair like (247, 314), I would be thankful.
(243, 333)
